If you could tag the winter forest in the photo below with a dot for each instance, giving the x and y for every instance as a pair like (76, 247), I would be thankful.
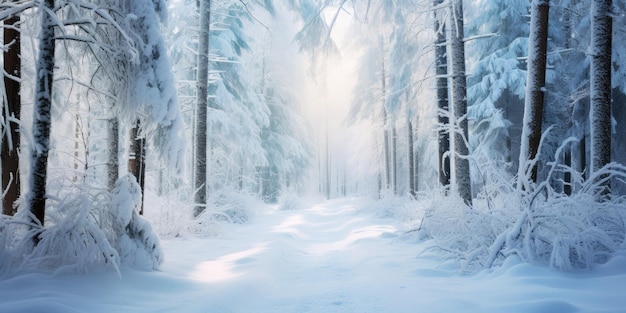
(313, 156)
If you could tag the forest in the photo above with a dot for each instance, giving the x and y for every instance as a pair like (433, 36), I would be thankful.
(487, 131)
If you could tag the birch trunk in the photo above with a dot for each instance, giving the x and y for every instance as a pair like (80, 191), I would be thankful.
(535, 84)
(12, 110)
(200, 169)
(600, 92)
(459, 97)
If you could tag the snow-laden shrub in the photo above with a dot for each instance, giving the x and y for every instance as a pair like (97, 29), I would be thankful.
(131, 235)
(88, 228)
(226, 206)
(71, 241)
(539, 225)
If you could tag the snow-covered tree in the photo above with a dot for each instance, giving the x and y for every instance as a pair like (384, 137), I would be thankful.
(42, 117)
(11, 108)
(497, 78)
(202, 98)
(459, 100)
(535, 88)
(600, 91)
(443, 105)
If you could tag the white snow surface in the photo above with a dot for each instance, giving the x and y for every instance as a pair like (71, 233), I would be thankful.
(329, 257)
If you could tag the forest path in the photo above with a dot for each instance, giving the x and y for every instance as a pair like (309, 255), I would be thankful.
(330, 257)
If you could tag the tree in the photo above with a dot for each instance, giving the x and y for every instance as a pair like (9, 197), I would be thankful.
(600, 92)
(200, 162)
(441, 70)
(42, 117)
(11, 114)
(412, 184)
(137, 159)
(497, 80)
(459, 98)
(535, 86)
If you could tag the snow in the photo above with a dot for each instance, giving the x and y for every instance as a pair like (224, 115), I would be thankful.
(334, 256)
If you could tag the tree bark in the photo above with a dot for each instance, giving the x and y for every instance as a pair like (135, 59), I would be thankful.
(441, 70)
(394, 158)
(12, 110)
(137, 159)
(412, 189)
(600, 72)
(459, 96)
(383, 80)
(200, 169)
(113, 166)
(535, 84)
(42, 118)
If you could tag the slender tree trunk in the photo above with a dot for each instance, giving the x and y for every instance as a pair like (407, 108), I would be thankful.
(459, 96)
(386, 152)
(327, 166)
(394, 158)
(600, 72)
(412, 189)
(12, 110)
(441, 70)
(383, 80)
(42, 118)
(200, 180)
(567, 176)
(77, 138)
(535, 84)
(567, 158)
(137, 159)
(113, 166)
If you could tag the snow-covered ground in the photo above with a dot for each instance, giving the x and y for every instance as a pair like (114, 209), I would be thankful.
(330, 257)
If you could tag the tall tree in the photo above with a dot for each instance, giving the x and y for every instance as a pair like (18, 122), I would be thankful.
(11, 113)
(412, 185)
(535, 86)
(600, 92)
(459, 98)
(441, 70)
(42, 117)
(202, 98)
(137, 159)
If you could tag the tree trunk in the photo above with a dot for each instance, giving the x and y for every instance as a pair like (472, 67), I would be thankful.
(113, 164)
(42, 118)
(459, 96)
(12, 110)
(412, 189)
(137, 159)
(383, 81)
(394, 158)
(200, 169)
(535, 84)
(441, 70)
(600, 92)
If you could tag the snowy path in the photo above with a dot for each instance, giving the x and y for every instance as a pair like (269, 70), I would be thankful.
(327, 258)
